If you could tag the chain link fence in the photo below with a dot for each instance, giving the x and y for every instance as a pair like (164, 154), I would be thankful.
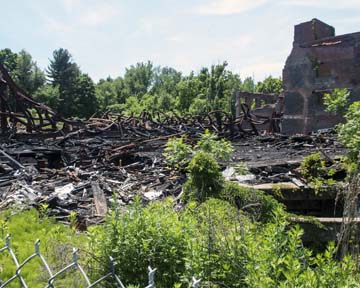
(75, 265)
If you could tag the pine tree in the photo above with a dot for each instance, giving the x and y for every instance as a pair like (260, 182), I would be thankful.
(64, 73)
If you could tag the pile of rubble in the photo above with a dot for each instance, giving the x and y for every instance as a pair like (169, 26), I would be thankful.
(87, 174)
(84, 174)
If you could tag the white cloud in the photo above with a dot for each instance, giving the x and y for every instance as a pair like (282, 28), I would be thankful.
(97, 15)
(177, 38)
(54, 25)
(150, 25)
(80, 17)
(242, 41)
(347, 20)
(331, 4)
(147, 25)
(70, 5)
(262, 70)
(227, 7)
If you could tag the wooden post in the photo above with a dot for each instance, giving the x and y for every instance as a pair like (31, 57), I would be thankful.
(3, 121)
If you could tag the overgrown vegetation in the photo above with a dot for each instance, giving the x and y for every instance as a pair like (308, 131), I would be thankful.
(348, 134)
(178, 153)
(315, 172)
(205, 178)
(218, 243)
(253, 203)
(214, 241)
(337, 100)
(227, 235)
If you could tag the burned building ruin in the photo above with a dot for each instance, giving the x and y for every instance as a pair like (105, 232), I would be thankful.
(318, 63)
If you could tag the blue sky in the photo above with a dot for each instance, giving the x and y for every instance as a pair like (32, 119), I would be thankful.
(105, 36)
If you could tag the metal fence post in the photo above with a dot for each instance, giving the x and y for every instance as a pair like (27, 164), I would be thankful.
(151, 277)
(195, 283)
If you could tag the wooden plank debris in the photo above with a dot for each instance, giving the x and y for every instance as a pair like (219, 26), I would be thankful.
(99, 199)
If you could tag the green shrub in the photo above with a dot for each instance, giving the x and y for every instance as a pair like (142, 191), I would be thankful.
(215, 242)
(349, 132)
(153, 236)
(218, 253)
(255, 203)
(201, 241)
(313, 169)
(277, 258)
(177, 153)
(221, 149)
(337, 100)
(205, 178)
(241, 168)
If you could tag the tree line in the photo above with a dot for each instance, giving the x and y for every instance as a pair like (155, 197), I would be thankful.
(144, 86)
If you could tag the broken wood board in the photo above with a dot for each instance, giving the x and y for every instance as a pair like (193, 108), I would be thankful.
(99, 200)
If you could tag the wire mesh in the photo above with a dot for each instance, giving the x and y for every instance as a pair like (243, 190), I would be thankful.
(74, 266)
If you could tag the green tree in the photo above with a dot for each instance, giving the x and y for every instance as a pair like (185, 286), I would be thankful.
(38, 78)
(86, 102)
(150, 103)
(8, 59)
(231, 86)
(23, 70)
(248, 85)
(131, 106)
(199, 106)
(165, 79)
(28, 75)
(64, 73)
(187, 90)
(138, 79)
(49, 95)
(166, 102)
(349, 132)
(62, 70)
(217, 78)
(269, 85)
(106, 94)
(119, 88)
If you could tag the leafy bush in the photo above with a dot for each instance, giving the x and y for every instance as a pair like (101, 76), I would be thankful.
(215, 242)
(221, 149)
(201, 241)
(255, 203)
(349, 132)
(277, 258)
(218, 254)
(337, 100)
(313, 169)
(241, 168)
(177, 153)
(205, 178)
(140, 237)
